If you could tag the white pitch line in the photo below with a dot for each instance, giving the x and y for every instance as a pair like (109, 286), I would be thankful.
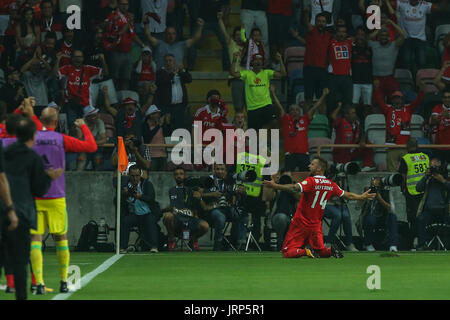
(91, 275)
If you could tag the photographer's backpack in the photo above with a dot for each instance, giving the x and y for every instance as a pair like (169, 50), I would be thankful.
(88, 237)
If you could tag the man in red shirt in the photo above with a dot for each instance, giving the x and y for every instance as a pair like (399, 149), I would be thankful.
(120, 25)
(314, 71)
(65, 46)
(306, 227)
(340, 69)
(398, 122)
(78, 93)
(213, 116)
(295, 133)
(440, 118)
(348, 131)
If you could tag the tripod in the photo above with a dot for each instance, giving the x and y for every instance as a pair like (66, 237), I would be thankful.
(342, 181)
(251, 238)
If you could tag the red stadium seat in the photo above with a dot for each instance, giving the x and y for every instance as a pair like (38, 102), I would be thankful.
(428, 75)
(294, 58)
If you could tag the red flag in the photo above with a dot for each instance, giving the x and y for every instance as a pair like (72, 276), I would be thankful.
(123, 157)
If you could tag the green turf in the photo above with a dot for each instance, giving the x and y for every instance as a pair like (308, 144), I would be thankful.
(209, 275)
(86, 261)
(224, 276)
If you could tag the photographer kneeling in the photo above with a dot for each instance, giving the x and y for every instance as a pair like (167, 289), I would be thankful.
(182, 216)
(220, 199)
(142, 211)
(434, 203)
(378, 213)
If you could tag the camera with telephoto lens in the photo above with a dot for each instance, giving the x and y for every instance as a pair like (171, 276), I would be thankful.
(351, 168)
(435, 170)
(393, 180)
(245, 176)
(197, 183)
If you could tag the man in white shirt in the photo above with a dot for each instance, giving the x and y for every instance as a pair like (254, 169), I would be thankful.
(412, 16)
(317, 6)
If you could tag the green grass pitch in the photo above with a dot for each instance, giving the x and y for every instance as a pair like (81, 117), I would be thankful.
(229, 276)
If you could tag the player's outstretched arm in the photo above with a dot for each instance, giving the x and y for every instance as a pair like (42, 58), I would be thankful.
(294, 188)
(365, 196)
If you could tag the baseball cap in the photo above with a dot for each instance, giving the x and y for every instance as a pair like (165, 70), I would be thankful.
(151, 110)
(146, 49)
(129, 101)
(54, 105)
(90, 110)
(397, 94)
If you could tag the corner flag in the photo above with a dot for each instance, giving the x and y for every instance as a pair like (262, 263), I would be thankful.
(122, 155)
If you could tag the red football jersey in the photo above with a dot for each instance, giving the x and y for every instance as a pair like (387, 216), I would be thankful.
(115, 26)
(346, 132)
(147, 73)
(214, 121)
(446, 57)
(316, 191)
(295, 133)
(340, 57)
(73, 82)
(66, 50)
(443, 129)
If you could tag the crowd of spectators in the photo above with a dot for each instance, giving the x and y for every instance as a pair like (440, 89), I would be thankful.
(41, 57)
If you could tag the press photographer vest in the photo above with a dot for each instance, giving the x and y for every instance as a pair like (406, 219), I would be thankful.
(417, 164)
(253, 189)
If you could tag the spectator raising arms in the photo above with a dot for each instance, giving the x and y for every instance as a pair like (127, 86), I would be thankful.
(78, 85)
(261, 113)
(170, 45)
(121, 27)
(295, 133)
(235, 44)
(384, 56)
(316, 45)
(398, 122)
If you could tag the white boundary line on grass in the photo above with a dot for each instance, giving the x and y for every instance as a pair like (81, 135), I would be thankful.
(91, 275)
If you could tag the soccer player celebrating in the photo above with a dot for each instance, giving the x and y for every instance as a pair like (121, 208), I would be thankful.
(306, 227)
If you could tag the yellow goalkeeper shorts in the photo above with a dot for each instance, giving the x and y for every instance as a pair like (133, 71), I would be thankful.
(51, 213)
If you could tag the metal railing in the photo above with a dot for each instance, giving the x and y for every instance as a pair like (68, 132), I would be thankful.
(380, 146)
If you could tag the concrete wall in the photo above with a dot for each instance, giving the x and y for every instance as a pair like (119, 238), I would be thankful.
(90, 197)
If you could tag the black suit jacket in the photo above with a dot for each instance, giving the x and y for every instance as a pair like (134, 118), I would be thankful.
(164, 84)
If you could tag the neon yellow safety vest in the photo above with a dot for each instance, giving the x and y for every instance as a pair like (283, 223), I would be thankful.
(417, 164)
(244, 162)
